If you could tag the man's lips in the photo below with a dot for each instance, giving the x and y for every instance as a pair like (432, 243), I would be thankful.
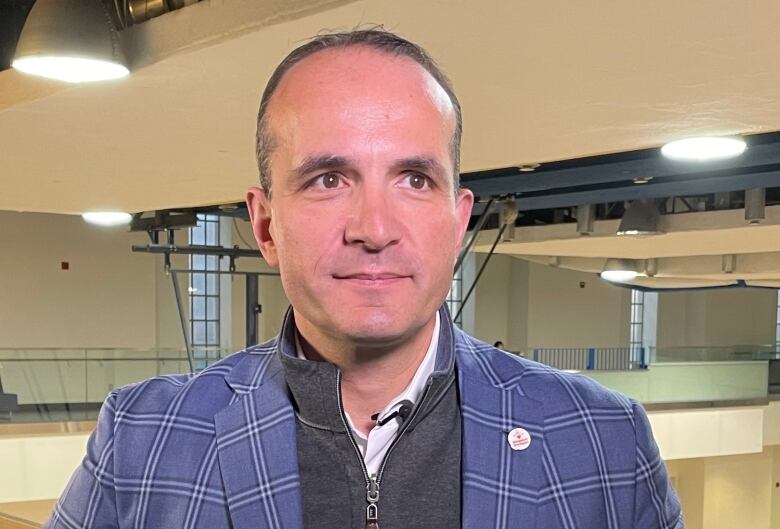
(371, 276)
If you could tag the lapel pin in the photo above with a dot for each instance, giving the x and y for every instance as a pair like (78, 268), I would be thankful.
(519, 439)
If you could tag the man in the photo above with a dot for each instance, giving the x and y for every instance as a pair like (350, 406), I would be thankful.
(369, 409)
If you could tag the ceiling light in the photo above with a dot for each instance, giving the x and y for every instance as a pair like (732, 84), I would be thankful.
(70, 40)
(640, 219)
(107, 218)
(704, 149)
(620, 270)
(70, 69)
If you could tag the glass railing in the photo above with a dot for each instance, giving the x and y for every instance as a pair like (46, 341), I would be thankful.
(731, 353)
(70, 384)
(702, 374)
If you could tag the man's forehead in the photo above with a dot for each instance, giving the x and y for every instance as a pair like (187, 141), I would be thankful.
(348, 73)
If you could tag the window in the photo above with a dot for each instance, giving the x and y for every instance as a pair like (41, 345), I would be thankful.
(455, 297)
(777, 328)
(637, 322)
(204, 293)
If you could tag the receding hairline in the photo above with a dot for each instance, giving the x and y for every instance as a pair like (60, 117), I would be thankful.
(436, 93)
(401, 48)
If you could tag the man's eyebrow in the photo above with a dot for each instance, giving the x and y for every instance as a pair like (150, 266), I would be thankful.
(320, 162)
(427, 164)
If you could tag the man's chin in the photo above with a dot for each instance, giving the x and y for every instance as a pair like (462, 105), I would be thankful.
(378, 328)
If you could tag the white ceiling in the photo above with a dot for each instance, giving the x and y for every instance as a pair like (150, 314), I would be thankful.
(538, 81)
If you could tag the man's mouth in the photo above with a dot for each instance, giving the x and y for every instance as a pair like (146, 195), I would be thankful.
(371, 276)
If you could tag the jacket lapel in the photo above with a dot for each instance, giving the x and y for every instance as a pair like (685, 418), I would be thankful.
(500, 485)
(256, 447)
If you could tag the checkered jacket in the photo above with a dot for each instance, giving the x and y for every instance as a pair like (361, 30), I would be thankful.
(218, 450)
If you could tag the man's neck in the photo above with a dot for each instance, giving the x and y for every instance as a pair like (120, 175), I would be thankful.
(371, 376)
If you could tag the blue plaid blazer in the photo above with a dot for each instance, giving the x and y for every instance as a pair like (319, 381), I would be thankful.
(218, 450)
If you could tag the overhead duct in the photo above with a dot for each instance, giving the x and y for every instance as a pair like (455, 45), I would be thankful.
(585, 217)
(640, 219)
(755, 205)
(137, 11)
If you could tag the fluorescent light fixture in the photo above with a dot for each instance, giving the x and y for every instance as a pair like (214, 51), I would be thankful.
(704, 149)
(71, 69)
(107, 218)
(70, 40)
(620, 270)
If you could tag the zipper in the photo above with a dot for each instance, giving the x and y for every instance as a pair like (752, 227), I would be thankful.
(373, 481)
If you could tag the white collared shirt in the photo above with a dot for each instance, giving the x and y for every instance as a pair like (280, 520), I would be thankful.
(374, 446)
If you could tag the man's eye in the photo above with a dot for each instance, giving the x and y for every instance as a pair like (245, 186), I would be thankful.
(331, 181)
(326, 181)
(418, 181)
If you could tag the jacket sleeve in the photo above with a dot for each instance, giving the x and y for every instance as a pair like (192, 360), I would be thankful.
(656, 505)
(88, 501)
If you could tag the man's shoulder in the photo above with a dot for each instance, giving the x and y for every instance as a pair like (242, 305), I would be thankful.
(201, 393)
(559, 391)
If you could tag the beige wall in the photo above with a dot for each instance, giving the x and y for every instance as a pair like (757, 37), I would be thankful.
(737, 316)
(730, 491)
(492, 300)
(562, 314)
(528, 305)
(110, 296)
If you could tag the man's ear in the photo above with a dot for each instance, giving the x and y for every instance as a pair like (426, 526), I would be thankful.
(463, 205)
(259, 207)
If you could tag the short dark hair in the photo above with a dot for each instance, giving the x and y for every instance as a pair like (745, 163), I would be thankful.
(375, 38)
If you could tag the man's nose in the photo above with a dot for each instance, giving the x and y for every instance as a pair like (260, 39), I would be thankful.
(373, 222)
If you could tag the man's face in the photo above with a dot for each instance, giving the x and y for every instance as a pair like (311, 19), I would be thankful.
(363, 221)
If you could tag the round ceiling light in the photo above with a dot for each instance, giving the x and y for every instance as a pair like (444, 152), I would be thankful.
(704, 149)
(107, 218)
(619, 276)
(71, 69)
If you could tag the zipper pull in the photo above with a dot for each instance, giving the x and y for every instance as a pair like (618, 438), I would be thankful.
(372, 511)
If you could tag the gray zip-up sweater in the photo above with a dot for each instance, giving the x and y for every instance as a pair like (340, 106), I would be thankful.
(420, 478)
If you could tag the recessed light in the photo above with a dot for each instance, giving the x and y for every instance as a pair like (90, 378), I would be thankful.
(621, 270)
(107, 218)
(528, 167)
(704, 149)
(642, 179)
(619, 276)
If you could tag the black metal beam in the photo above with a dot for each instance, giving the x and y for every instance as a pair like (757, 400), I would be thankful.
(763, 149)
(252, 310)
(660, 189)
(194, 249)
